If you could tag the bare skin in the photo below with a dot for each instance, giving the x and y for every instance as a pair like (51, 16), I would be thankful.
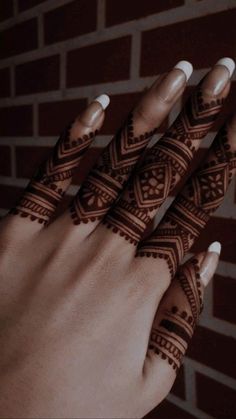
(89, 311)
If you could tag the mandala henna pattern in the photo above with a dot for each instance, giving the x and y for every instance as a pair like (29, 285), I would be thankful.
(106, 180)
(176, 322)
(50, 181)
(191, 210)
(163, 167)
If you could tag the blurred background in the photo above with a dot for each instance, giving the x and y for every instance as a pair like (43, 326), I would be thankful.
(55, 57)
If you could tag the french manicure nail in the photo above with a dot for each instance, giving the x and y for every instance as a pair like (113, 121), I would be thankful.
(218, 77)
(210, 262)
(186, 67)
(91, 115)
(174, 81)
(228, 63)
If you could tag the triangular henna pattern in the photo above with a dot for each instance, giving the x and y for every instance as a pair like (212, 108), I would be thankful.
(191, 210)
(106, 180)
(178, 315)
(164, 165)
(50, 181)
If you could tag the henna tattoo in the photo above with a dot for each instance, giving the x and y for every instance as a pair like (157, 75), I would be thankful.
(50, 181)
(191, 210)
(170, 338)
(163, 167)
(106, 180)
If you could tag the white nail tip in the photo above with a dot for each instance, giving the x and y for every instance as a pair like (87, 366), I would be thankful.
(227, 62)
(104, 100)
(186, 67)
(215, 247)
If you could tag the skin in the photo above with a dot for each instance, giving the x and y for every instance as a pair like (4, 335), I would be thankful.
(77, 305)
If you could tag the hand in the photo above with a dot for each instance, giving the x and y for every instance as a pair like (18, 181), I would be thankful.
(96, 319)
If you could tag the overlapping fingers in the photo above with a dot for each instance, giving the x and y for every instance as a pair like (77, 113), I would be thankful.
(201, 196)
(167, 161)
(53, 177)
(109, 175)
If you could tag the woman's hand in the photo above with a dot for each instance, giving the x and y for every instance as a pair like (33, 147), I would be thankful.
(95, 319)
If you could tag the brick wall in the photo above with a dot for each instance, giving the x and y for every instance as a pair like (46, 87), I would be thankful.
(56, 55)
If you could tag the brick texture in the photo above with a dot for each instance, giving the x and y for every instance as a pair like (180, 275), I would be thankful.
(6, 9)
(54, 116)
(38, 76)
(122, 11)
(54, 58)
(5, 82)
(16, 121)
(62, 23)
(111, 59)
(193, 41)
(214, 398)
(224, 292)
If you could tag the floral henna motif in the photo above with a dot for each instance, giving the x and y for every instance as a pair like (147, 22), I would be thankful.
(177, 320)
(106, 180)
(191, 210)
(163, 167)
(51, 179)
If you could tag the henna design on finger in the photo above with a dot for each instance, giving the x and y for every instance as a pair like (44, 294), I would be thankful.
(50, 181)
(164, 165)
(170, 338)
(191, 210)
(106, 180)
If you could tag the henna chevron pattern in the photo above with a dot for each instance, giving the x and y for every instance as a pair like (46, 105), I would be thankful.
(191, 210)
(163, 167)
(174, 325)
(107, 178)
(51, 179)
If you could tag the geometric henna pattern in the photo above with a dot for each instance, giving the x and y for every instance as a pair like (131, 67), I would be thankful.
(181, 308)
(106, 180)
(50, 181)
(163, 166)
(201, 196)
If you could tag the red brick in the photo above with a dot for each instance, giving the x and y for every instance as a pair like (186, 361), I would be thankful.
(215, 398)
(54, 116)
(27, 4)
(223, 230)
(38, 76)
(100, 63)
(29, 158)
(167, 410)
(6, 9)
(70, 20)
(214, 350)
(192, 40)
(16, 120)
(9, 195)
(122, 11)
(19, 38)
(178, 388)
(5, 160)
(5, 82)
(224, 291)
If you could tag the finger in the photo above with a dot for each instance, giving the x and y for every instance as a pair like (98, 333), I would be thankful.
(177, 317)
(200, 197)
(107, 179)
(53, 177)
(167, 162)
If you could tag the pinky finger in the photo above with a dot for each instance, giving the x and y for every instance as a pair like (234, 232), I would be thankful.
(176, 319)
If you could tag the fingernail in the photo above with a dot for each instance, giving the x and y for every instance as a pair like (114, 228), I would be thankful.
(218, 77)
(186, 67)
(210, 262)
(174, 81)
(91, 115)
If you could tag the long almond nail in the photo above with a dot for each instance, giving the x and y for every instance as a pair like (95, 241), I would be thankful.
(174, 81)
(91, 115)
(218, 77)
(210, 262)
